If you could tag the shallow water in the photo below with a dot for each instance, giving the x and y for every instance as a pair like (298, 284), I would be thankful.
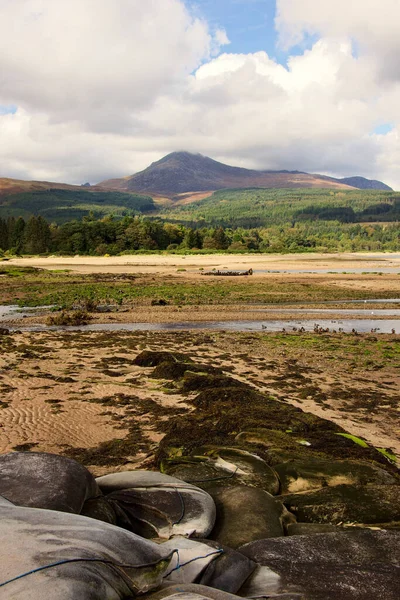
(364, 312)
(342, 270)
(346, 325)
(364, 325)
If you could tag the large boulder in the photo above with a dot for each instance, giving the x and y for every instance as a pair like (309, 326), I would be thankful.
(231, 466)
(49, 554)
(228, 571)
(157, 505)
(189, 591)
(245, 514)
(346, 504)
(313, 473)
(41, 480)
(189, 560)
(354, 565)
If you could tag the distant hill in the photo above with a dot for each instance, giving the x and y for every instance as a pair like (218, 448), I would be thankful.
(15, 186)
(365, 184)
(182, 172)
(66, 203)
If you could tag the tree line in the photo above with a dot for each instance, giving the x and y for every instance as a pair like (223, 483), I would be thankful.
(136, 233)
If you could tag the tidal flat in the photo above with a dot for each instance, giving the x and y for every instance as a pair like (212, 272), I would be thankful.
(81, 394)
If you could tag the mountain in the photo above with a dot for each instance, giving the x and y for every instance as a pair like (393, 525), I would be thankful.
(182, 172)
(365, 184)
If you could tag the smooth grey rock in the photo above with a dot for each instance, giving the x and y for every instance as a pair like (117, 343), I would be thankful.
(135, 479)
(245, 514)
(232, 466)
(5, 502)
(264, 582)
(189, 591)
(33, 538)
(353, 565)
(157, 505)
(190, 560)
(100, 509)
(228, 571)
(312, 528)
(42, 480)
(307, 474)
(346, 504)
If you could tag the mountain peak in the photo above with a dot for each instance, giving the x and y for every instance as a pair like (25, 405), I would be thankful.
(182, 172)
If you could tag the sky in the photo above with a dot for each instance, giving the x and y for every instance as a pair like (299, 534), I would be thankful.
(94, 89)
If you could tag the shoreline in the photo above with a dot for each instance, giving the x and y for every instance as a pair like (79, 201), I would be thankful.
(151, 263)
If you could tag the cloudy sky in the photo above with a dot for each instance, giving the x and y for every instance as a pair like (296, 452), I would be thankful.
(92, 89)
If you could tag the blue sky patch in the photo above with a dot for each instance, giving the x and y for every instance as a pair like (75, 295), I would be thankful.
(383, 129)
(11, 109)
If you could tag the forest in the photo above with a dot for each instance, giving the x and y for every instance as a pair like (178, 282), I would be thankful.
(129, 234)
(282, 207)
(60, 206)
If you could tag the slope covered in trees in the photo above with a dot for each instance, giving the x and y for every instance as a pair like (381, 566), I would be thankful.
(263, 208)
(64, 205)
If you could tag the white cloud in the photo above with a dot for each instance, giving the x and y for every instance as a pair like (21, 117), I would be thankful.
(372, 24)
(104, 88)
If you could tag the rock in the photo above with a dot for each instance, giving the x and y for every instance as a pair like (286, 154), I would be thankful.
(346, 503)
(5, 502)
(4, 331)
(160, 505)
(189, 591)
(264, 582)
(230, 465)
(135, 479)
(88, 559)
(228, 571)
(313, 473)
(100, 509)
(42, 480)
(312, 528)
(190, 561)
(353, 565)
(246, 514)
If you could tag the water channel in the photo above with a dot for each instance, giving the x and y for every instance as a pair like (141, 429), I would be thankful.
(363, 319)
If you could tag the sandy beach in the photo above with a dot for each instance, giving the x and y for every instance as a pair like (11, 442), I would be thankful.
(168, 263)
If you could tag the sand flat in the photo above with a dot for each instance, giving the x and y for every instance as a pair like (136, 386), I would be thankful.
(155, 263)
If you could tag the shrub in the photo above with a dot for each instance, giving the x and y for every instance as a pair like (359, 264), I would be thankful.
(75, 317)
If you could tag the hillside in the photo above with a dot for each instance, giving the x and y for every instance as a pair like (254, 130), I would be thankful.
(285, 207)
(10, 186)
(60, 205)
(181, 172)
